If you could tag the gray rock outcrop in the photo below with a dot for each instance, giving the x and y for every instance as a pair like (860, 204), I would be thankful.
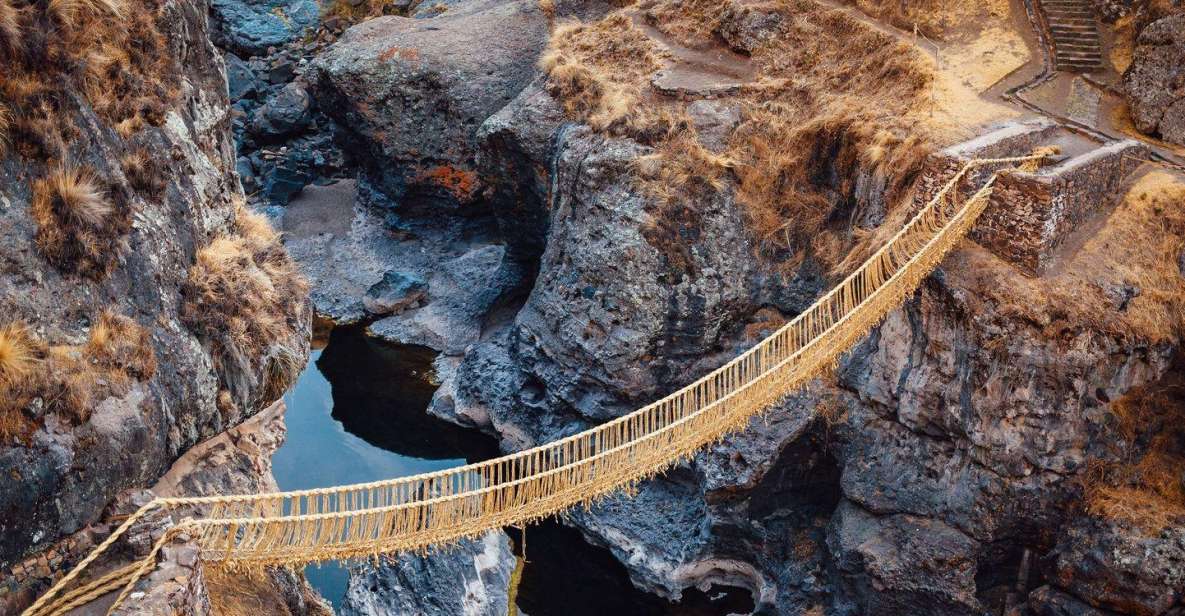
(471, 578)
(250, 27)
(180, 196)
(414, 92)
(1155, 81)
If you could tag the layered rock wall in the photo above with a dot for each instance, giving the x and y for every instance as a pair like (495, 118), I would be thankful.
(61, 475)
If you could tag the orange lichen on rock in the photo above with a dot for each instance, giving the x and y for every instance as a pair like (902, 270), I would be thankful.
(462, 184)
(403, 53)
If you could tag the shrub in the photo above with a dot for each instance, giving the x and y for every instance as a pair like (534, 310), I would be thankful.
(245, 299)
(78, 228)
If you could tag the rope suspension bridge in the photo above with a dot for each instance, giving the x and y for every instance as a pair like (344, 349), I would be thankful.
(416, 512)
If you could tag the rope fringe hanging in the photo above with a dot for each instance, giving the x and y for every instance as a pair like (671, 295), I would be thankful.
(365, 520)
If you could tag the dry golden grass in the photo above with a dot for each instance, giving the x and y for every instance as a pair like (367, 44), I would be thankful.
(79, 229)
(833, 101)
(110, 50)
(241, 297)
(928, 15)
(1146, 487)
(10, 28)
(143, 173)
(68, 379)
(116, 340)
(594, 70)
(17, 354)
(74, 13)
(5, 126)
(1137, 246)
(248, 592)
(20, 364)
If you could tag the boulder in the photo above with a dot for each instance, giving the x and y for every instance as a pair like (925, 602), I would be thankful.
(457, 300)
(746, 27)
(285, 112)
(250, 27)
(395, 292)
(1154, 84)
(241, 81)
(1111, 11)
(471, 578)
(246, 172)
(414, 92)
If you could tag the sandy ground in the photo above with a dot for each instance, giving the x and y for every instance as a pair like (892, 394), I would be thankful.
(980, 45)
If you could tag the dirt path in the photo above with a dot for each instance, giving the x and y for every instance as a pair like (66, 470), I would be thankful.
(1081, 102)
(1076, 102)
(697, 73)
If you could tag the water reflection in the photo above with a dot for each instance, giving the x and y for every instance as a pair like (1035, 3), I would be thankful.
(356, 414)
(567, 576)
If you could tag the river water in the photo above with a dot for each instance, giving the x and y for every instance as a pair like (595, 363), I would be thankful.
(356, 414)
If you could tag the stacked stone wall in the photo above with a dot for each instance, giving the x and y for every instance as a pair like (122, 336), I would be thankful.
(1030, 215)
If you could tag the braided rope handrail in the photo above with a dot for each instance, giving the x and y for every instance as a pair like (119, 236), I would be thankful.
(413, 513)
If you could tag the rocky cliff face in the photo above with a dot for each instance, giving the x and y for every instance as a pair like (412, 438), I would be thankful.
(120, 280)
(938, 471)
(470, 578)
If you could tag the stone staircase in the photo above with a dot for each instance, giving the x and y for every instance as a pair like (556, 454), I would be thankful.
(1075, 35)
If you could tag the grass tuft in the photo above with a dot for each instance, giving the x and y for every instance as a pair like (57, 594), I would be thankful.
(37, 379)
(143, 173)
(245, 299)
(17, 354)
(78, 228)
(116, 340)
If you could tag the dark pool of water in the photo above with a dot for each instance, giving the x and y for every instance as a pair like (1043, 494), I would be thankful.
(356, 414)
(567, 576)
